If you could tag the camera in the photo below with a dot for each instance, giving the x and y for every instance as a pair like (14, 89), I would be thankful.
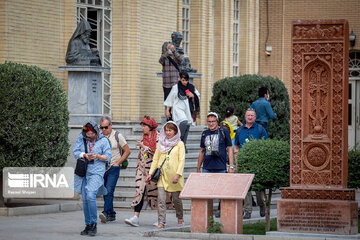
(215, 153)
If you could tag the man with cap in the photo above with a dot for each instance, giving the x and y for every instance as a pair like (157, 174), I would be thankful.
(215, 149)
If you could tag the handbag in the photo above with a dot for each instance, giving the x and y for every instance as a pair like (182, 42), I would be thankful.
(81, 164)
(157, 173)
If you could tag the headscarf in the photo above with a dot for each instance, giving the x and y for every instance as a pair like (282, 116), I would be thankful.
(166, 144)
(150, 140)
(194, 104)
(91, 126)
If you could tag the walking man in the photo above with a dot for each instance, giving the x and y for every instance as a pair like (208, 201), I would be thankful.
(250, 130)
(263, 108)
(120, 151)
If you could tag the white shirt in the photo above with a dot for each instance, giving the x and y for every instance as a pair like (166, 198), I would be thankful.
(180, 108)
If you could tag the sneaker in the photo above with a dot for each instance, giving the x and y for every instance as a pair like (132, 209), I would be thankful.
(110, 218)
(247, 215)
(157, 223)
(181, 223)
(160, 226)
(103, 217)
(86, 230)
(133, 221)
(93, 230)
(262, 211)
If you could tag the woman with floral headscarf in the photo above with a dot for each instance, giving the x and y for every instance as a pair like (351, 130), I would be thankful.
(147, 149)
(171, 152)
(98, 154)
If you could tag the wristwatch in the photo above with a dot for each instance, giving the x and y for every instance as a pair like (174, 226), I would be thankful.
(232, 167)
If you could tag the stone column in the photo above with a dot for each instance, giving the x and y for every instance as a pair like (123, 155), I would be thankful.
(317, 200)
(85, 94)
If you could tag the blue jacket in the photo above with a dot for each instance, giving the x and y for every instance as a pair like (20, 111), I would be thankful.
(263, 110)
(95, 172)
(244, 134)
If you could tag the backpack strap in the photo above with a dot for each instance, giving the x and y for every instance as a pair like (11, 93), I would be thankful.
(118, 142)
(260, 129)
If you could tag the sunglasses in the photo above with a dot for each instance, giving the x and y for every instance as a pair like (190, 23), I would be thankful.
(250, 109)
(105, 127)
(88, 128)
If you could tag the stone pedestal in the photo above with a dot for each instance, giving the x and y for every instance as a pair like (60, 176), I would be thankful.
(202, 188)
(317, 200)
(201, 210)
(85, 96)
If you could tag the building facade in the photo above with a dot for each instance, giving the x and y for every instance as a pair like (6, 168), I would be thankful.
(222, 38)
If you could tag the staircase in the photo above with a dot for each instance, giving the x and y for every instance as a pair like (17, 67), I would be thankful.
(125, 187)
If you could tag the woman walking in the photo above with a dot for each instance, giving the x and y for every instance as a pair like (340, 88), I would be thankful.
(94, 147)
(145, 157)
(171, 152)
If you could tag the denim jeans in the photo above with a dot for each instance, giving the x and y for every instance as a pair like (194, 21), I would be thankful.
(89, 204)
(110, 179)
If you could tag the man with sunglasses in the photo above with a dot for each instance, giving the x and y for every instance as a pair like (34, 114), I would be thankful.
(245, 133)
(120, 151)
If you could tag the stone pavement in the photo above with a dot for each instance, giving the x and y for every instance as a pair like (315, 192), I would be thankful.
(67, 225)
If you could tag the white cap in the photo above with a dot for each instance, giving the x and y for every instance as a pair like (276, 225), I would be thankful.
(213, 114)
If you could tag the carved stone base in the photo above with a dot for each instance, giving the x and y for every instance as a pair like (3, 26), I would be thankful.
(317, 216)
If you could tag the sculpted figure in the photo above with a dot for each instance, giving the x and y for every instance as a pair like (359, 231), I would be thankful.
(176, 38)
(78, 51)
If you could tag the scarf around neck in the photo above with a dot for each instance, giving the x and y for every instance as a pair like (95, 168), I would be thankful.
(165, 144)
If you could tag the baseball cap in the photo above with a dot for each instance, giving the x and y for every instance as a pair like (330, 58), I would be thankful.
(213, 114)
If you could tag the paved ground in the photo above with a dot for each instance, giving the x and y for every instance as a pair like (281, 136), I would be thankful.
(67, 225)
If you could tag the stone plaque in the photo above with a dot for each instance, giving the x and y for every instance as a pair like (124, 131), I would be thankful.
(216, 186)
(317, 200)
(333, 217)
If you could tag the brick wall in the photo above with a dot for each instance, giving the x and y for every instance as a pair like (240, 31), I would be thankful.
(281, 15)
(34, 33)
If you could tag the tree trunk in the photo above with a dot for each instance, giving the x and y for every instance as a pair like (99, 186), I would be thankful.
(2, 202)
(267, 213)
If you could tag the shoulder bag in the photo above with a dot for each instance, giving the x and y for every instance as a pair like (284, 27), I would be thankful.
(81, 164)
(156, 176)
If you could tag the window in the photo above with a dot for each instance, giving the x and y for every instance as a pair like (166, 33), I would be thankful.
(236, 39)
(186, 26)
(99, 15)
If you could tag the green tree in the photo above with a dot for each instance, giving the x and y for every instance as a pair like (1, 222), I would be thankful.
(269, 160)
(34, 118)
(241, 91)
(354, 168)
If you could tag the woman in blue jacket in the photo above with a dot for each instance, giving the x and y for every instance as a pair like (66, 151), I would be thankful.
(98, 155)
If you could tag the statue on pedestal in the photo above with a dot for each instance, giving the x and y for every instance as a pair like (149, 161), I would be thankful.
(176, 39)
(78, 51)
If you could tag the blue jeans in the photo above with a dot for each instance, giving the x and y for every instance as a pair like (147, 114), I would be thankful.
(110, 179)
(264, 124)
(214, 171)
(89, 204)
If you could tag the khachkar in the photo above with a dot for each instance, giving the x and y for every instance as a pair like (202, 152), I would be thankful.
(318, 200)
(84, 77)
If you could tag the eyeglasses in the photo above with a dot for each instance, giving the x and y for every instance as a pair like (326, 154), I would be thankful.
(250, 109)
(104, 127)
(211, 121)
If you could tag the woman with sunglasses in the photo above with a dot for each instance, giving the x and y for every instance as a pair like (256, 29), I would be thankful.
(147, 149)
(94, 147)
(184, 102)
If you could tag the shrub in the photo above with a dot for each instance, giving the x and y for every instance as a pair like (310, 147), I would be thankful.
(214, 227)
(269, 160)
(241, 91)
(34, 118)
(354, 168)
